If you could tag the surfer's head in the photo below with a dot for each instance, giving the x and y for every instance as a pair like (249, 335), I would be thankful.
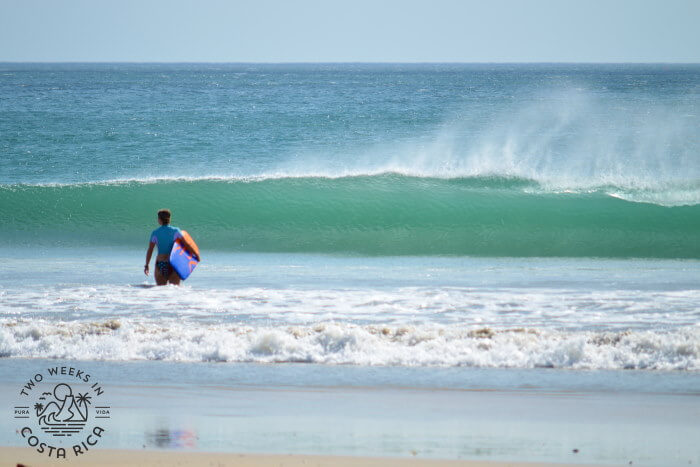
(164, 216)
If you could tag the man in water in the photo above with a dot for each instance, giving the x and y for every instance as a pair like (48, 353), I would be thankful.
(164, 237)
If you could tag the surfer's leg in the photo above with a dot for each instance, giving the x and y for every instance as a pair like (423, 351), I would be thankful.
(160, 280)
(174, 278)
(160, 273)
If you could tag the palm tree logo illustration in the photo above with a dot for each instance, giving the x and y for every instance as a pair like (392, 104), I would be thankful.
(66, 414)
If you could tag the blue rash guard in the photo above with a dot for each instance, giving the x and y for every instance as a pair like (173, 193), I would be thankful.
(164, 236)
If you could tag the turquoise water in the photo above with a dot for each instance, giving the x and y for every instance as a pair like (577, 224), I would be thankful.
(484, 198)
(591, 124)
(460, 228)
(501, 160)
(369, 215)
(362, 214)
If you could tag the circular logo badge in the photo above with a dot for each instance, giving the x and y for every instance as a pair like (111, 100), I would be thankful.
(63, 412)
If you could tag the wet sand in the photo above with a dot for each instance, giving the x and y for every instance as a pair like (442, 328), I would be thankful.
(115, 457)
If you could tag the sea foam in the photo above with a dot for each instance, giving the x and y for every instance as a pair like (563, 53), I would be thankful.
(339, 343)
(405, 326)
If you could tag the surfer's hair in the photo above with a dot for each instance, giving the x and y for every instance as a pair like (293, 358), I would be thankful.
(164, 216)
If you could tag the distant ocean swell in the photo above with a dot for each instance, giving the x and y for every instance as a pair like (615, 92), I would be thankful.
(343, 343)
(385, 214)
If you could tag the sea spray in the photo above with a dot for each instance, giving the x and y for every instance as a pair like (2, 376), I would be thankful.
(565, 138)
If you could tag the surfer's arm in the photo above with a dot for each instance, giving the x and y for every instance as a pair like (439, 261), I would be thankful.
(149, 253)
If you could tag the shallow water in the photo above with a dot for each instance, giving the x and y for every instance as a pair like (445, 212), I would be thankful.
(410, 311)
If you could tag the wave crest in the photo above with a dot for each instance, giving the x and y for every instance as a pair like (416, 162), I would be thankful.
(377, 215)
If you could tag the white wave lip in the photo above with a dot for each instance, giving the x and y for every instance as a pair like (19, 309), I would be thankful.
(345, 343)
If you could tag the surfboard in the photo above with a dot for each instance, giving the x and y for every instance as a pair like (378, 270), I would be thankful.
(182, 261)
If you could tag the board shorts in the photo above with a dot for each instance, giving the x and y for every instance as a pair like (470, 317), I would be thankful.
(165, 268)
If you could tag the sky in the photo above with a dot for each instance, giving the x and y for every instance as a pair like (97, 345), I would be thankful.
(350, 31)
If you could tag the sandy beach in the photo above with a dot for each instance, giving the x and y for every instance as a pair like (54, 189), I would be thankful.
(109, 457)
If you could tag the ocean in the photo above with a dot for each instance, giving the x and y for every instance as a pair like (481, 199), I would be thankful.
(452, 227)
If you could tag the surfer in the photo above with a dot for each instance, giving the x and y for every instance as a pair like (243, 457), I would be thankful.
(164, 237)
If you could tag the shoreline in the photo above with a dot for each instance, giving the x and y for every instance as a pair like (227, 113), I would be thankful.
(316, 412)
(116, 457)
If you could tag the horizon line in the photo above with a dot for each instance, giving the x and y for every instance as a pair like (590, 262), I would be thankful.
(185, 62)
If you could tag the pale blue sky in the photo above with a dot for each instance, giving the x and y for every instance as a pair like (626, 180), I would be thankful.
(350, 31)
